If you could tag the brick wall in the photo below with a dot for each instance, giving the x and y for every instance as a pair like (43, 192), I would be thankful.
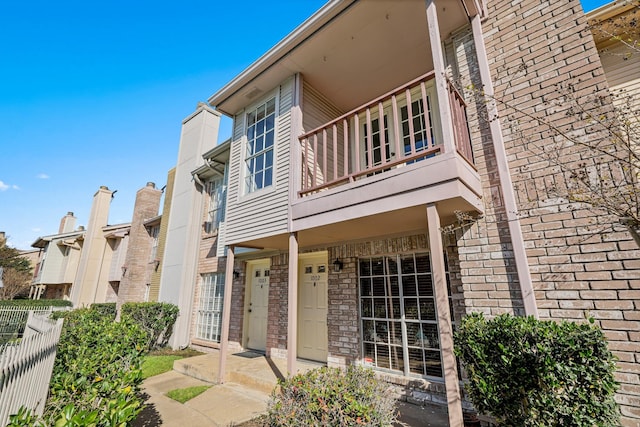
(135, 280)
(581, 264)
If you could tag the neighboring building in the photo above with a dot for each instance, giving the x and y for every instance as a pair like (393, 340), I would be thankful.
(616, 31)
(102, 263)
(352, 152)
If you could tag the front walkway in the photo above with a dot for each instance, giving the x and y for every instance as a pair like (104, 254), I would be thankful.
(244, 395)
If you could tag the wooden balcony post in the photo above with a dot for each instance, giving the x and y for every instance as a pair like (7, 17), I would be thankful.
(446, 118)
(226, 314)
(449, 367)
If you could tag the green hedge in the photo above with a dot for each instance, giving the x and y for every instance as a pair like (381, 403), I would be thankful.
(35, 303)
(527, 372)
(96, 376)
(155, 318)
(107, 309)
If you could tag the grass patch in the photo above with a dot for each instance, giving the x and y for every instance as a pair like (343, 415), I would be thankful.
(161, 361)
(156, 365)
(185, 394)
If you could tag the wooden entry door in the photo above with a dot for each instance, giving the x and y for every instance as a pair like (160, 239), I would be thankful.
(258, 283)
(312, 308)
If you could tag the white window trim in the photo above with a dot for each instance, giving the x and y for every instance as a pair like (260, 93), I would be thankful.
(243, 193)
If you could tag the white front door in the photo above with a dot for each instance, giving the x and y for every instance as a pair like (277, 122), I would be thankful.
(258, 284)
(312, 308)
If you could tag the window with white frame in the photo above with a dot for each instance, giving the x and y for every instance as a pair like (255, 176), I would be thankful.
(398, 315)
(209, 317)
(217, 199)
(260, 123)
(154, 233)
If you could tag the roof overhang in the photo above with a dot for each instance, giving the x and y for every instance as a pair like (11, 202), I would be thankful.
(346, 48)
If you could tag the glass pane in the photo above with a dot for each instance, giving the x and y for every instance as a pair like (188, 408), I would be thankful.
(382, 331)
(377, 266)
(260, 162)
(427, 309)
(380, 308)
(396, 357)
(258, 180)
(368, 331)
(251, 118)
(396, 333)
(270, 120)
(251, 132)
(395, 288)
(365, 267)
(271, 106)
(268, 158)
(379, 288)
(260, 113)
(407, 265)
(259, 143)
(425, 285)
(423, 265)
(409, 286)
(365, 287)
(430, 335)
(416, 362)
(395, 307)
(392, 265)
(413, 334)
(268, 139)
(369, 353)
(268, 177)
(411, 308)
(322, 269)
(383, 356)
(367, 307)
(432, 363)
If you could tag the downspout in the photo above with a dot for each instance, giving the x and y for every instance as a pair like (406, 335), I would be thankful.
(506, 185)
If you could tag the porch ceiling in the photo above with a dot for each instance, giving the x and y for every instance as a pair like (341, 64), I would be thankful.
(366, 49)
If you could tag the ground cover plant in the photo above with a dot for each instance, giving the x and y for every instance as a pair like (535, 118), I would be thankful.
(332, 397)
(527, 372)
(161, 360)
(183, 395)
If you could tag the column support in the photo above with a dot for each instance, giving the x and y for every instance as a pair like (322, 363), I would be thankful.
(292, 305)
(442, 86)
(438, 271)
(506, 185)
(226, 313)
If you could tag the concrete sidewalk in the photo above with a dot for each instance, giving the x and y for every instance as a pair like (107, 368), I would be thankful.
(244, 395)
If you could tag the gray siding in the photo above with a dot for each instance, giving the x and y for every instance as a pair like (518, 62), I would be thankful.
(264, 213)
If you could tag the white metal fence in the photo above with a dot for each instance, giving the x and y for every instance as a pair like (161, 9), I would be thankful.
(26, 363)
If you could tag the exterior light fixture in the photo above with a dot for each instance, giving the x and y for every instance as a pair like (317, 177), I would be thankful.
(337, 265)
(236, 274)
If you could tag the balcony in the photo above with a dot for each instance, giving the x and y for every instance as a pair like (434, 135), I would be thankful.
(382, 162)
(354, 145)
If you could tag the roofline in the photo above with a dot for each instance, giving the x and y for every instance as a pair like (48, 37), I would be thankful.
(609, 10)
(51, 237)
(315, 22)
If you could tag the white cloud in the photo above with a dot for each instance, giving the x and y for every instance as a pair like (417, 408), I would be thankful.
(42, 176)
(15, 187)
(35, 229)
(3, 186)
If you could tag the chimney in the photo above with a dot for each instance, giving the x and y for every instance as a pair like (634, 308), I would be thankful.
(67, 224)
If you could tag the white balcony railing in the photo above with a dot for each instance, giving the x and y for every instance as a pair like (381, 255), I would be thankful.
(399, 128)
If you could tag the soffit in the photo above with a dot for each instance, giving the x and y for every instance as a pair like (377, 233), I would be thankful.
(365, 50)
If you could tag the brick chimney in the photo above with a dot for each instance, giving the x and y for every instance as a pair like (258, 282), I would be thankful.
(67, 223)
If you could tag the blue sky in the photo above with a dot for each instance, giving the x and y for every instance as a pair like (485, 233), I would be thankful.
(94, 94)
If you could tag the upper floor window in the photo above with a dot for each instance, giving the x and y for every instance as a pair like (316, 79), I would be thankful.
(215, 215)
(260, 138)
(154, 233)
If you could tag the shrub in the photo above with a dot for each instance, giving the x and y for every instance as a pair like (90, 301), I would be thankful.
(332, 397)
(107, 309)
(155, 318)
(527, 372)
(97, 373)
(35, 303)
